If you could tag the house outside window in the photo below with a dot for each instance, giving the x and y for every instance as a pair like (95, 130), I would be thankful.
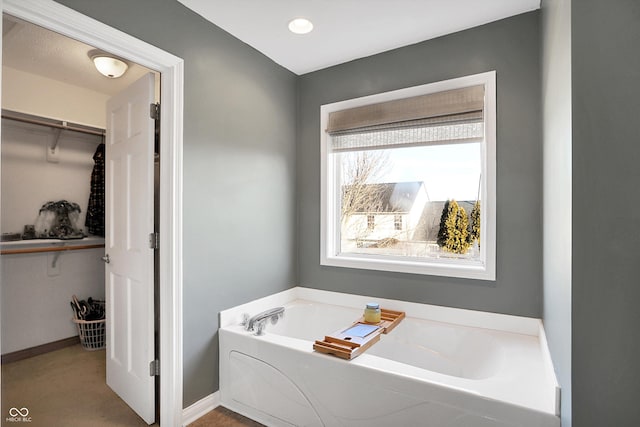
(408, 180)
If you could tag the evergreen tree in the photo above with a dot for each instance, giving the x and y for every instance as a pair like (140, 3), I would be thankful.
(457, 229)
(458, 224)
(474, 224)
(442, 231)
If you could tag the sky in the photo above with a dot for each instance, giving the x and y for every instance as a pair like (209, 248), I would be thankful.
(450, 171)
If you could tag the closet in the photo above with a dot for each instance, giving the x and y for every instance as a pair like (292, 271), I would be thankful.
(50, 81)
(45, 160)
(54, 116)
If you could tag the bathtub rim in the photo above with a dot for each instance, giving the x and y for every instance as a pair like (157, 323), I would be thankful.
(457, 316)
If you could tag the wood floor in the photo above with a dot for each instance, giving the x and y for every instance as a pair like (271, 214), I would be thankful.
(67, 388)
(222, 417)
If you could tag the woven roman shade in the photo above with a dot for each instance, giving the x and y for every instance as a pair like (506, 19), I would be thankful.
(442, 117)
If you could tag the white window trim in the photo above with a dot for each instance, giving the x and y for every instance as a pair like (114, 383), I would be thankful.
(485, 269)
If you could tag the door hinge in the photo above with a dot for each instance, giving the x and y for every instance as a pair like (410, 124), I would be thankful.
(154, 111)
(154, 240)
(154, 368)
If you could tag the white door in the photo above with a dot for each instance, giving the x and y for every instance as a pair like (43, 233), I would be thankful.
(129, 259)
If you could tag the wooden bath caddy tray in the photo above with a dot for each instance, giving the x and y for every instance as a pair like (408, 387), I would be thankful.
(350, 342)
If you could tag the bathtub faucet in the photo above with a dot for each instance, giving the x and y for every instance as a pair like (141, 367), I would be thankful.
(258, 322)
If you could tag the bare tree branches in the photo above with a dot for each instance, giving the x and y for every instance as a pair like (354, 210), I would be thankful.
(359, 170)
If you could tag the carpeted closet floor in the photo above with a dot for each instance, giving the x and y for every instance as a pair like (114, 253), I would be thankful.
(67, 388)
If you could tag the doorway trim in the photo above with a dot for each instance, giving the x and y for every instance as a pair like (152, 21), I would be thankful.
(68, 22)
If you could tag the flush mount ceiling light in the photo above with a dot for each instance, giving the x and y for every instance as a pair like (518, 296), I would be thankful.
(300, 26)
(109, 66)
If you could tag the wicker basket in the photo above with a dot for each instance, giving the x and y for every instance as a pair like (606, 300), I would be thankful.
(92, 333)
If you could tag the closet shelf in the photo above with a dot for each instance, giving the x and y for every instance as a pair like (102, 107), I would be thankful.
(55, 124)
(48, 245)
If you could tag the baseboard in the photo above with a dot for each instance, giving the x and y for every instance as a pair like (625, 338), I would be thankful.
(200, 408)
(39, 349)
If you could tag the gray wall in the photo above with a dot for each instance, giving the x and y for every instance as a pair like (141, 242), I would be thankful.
(239, 183)
(512, 48)
(556, 107)
(240, 193)
(606, 212)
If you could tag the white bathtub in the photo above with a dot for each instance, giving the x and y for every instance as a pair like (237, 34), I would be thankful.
(439, 367)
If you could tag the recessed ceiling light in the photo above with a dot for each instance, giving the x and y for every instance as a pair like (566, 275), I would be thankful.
(300, 26)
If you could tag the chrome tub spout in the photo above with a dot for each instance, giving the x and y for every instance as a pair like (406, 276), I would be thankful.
(258, 322)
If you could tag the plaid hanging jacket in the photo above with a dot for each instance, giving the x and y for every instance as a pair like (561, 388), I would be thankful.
(95, 209)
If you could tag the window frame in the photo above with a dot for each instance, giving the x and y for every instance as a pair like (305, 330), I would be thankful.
(482, 269)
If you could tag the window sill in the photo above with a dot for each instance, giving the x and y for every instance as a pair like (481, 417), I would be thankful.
(443, 267)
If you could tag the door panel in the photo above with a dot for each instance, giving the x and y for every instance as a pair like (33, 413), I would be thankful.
(129, 221)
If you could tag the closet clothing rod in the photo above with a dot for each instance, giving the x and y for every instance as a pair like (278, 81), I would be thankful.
(49, 249)
(26, 118)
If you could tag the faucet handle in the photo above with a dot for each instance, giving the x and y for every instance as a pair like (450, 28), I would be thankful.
(274, 319)
(260, 326)
(245, 320)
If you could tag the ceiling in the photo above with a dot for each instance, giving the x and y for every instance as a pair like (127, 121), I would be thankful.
(32, 49)
(345, 30)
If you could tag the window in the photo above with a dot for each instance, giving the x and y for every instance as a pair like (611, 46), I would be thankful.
(408, 180)
(397, 222)
(371, 222)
